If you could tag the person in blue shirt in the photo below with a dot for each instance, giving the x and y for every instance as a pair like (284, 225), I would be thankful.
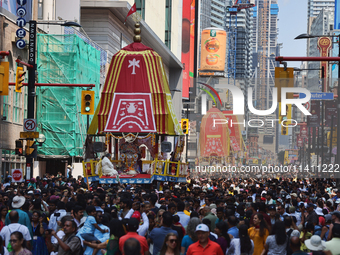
(158, 235)
(219, 214)
(91, 225)
(232, 223)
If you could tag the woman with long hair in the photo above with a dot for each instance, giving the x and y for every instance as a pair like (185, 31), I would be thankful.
(18, 244)
(39, 227)
(170, 245)
(190, 236)
(276, 243)
(258, 233)
(221, 230)
(242, 245)
(3, 213)
(117, 230)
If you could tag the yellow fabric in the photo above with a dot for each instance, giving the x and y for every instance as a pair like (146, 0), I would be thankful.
(99, 167)
(303, 246)
(259, 242)
(186, 212)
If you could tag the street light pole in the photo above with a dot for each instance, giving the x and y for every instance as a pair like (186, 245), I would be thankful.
(31, 87)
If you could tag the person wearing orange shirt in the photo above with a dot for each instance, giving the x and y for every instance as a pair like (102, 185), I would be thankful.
(133, 225)
(258, 233)
(204, 245)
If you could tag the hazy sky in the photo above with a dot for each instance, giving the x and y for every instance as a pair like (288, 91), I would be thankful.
(292, 22)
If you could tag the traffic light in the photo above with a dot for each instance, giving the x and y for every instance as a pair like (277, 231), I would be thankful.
(185, 126)
(31, 148)
(4, 78)
(19, 79)
(283, 79)
(87, 102)
(18, 148)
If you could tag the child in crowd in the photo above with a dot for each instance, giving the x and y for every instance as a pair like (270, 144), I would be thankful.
(90, 225)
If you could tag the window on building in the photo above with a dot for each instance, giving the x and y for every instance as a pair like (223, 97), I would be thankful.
(140, 7)
(168, 23)
(17, 107)
(40, 9)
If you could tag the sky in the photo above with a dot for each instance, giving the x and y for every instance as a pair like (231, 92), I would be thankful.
(292, 22)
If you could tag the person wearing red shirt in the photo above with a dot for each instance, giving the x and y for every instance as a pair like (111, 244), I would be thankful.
(204, 245)
(133, 225)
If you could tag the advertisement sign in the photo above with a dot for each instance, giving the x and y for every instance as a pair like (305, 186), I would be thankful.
(303, 131)
(299, 141)
(331, 112)
(186, 47)
(314, 119)
(11, 6)
(213, 49)
(192, 40)
(324, 45)
(17, 175)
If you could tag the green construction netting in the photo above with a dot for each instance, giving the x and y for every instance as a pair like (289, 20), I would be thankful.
(64, 59)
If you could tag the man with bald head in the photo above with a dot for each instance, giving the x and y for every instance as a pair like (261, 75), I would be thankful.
(295, 246)
(15, 226)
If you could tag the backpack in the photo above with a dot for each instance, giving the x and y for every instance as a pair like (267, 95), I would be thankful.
(9, 246)
(81, 250)
(317, 230)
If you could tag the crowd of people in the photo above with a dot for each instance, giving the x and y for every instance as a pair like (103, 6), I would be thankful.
(60, 215)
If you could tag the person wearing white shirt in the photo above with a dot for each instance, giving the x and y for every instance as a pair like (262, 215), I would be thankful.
(56, 216)
(107, 166)
(15, 226)
(142, 229)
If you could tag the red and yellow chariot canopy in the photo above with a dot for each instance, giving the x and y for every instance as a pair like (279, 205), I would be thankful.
(136, 96)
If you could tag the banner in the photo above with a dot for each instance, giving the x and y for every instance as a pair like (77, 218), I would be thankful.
(186, 47)
(331, 112)
(314, 119)
(303, 132)
(213, 49)
(299, 141)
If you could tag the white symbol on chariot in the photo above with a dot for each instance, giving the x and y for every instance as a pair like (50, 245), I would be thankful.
(132, 108)
(133, 64)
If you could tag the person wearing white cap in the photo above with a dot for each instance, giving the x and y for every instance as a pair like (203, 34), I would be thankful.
(204, 245)
(315, 243)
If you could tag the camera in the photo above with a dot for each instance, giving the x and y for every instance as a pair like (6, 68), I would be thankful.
(57, 214)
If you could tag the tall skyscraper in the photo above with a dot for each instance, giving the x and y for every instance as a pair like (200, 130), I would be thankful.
(243, 40)
(218, 8)
(265, 49)
(265, 16)
(315, 6)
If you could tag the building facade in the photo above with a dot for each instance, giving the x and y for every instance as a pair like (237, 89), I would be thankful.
(264, 51)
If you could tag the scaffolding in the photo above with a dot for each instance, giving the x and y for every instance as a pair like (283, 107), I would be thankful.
(64, 59)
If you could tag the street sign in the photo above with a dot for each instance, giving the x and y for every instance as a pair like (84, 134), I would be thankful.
(21, 11)
(21, 22)
(21, 33)
(29, 134)
(21, 2)
(17, 175)
(30, 125)
(319, 96)
(20, 44)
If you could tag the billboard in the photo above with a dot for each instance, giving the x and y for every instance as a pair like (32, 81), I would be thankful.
(186, 47)
(213, 49)
(11, 6)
